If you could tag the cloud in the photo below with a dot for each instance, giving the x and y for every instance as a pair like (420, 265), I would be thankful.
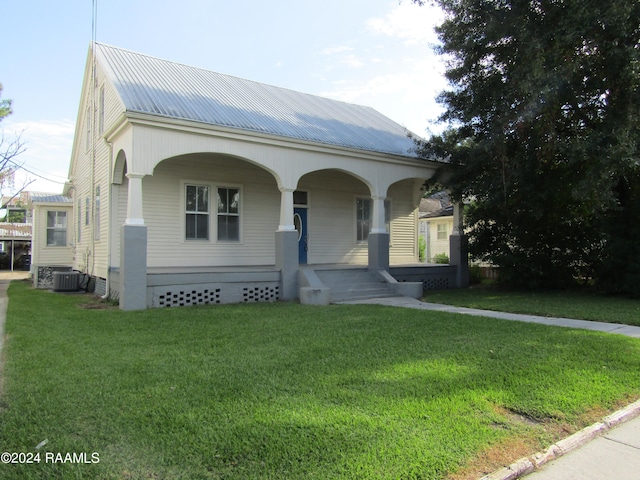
(47, 152)
(335, 49)
(409, 22)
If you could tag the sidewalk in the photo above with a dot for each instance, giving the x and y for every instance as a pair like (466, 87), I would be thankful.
(608, 449)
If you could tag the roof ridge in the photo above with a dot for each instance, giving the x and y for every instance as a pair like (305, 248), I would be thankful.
(237, 77)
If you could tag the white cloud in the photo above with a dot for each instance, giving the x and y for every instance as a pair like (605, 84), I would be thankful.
(335, 49)
(47, 152)
(409, 22)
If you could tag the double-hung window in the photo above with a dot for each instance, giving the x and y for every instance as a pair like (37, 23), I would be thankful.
(197, 212)
(228, 214)
(56, 229)
(363, 219)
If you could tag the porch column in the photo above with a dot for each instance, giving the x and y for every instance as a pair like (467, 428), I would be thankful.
(287, 247)
(458, 248)
(378, 240)
(133, 250)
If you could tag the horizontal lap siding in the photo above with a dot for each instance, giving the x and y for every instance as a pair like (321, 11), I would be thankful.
(164, 214)
(404, 233)
(332, 231)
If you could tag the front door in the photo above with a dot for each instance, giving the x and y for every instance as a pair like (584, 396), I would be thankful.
(300, 222)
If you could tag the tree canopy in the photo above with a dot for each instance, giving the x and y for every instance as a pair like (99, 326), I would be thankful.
(543, 112)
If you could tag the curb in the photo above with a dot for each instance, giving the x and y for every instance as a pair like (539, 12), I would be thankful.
(526, 465)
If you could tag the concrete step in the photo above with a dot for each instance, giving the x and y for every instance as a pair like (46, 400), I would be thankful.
(354, 284)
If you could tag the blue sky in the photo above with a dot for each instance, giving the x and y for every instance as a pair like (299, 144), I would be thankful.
(377, 53)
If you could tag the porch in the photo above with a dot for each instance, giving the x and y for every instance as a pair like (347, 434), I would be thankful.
(185, 286)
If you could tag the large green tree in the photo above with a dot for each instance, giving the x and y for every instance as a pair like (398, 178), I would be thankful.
(543, 112)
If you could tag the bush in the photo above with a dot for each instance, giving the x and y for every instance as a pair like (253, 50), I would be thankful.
(441, 258)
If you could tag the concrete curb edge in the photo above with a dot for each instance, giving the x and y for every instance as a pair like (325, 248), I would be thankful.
(526, 465)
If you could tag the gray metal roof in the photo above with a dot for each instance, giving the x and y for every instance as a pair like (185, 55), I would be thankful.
(49, 198)
(159, 87)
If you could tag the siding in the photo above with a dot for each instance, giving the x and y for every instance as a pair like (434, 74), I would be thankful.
(91, 169)
(163, 204)
(46, 255)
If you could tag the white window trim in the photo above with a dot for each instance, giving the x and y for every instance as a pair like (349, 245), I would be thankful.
(213, 212)
(355, 218)
(54, 228)
(240, 240)
(183, 205)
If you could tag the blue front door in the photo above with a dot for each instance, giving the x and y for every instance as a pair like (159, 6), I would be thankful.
(300, 222)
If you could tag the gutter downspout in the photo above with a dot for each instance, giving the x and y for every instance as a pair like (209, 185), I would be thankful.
(109, 236)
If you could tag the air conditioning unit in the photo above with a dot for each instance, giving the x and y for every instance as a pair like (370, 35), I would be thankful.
(66, 281)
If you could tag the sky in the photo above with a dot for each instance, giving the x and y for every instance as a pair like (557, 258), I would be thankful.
(378, 53)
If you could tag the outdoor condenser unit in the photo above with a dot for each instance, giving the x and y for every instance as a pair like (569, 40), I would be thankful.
(66, 281)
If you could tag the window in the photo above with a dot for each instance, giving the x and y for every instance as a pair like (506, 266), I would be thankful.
(79, 220)
(86, 211)
(197, 212)
(56, 229)
(96, 218)
(363, 219)
(441, 231)
(228, 214)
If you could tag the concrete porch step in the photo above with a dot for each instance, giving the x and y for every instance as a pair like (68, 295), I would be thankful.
(354, 284)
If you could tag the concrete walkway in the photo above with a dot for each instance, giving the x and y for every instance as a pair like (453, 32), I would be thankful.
(606, 450)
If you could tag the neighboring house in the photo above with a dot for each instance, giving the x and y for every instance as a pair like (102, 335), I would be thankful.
(15, 232)
(52, 248)
(436, 225)
(194, 187)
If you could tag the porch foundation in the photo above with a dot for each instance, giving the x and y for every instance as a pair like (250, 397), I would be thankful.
(287, 262)
(133, 267)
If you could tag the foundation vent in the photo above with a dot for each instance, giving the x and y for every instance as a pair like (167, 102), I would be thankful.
(184, 298)
(260, 294)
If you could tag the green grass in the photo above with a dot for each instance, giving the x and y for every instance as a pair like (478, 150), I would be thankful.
(285, 391)
(568, 304)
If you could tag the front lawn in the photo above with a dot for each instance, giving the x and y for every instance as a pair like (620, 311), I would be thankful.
(285, 391)
(583, 305)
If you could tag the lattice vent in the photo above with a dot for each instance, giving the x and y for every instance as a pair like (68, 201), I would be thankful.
(437, 283)
(184, 298)
(261, 294)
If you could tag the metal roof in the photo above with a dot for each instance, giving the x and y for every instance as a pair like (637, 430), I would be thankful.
(15, 230)
(49, 198)
(159, 87)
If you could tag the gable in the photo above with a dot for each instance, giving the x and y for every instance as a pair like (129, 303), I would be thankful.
(158, 87)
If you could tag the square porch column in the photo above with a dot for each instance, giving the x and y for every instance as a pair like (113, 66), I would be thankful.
(287, 247)
(133, 250)
(459, 248)
(378, 239)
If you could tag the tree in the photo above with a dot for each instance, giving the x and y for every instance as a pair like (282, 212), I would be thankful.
(9, 150)
(543, 115)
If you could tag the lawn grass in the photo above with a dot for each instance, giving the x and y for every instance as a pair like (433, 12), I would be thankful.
(585, 305)
(286, 391)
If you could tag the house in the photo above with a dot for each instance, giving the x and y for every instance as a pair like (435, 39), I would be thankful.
(15, 232)
(192, 187)
(52, 248)
(436, 225)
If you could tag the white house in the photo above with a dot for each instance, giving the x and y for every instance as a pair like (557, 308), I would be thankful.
(190, 187)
